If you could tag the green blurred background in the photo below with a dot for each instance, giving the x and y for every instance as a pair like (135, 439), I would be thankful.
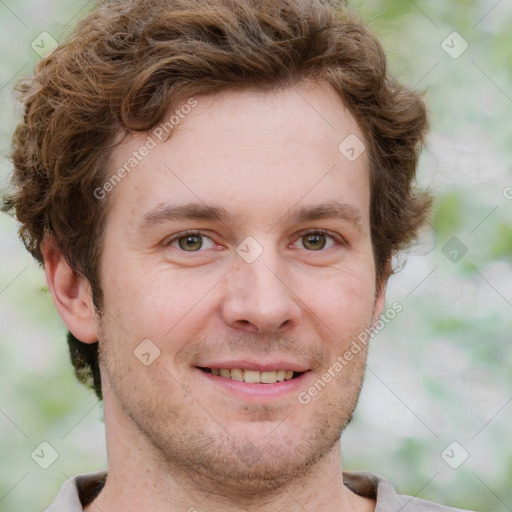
(439, 373)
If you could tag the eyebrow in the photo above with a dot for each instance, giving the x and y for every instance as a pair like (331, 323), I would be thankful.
(330, 210)
(191, 211)
(200, 211)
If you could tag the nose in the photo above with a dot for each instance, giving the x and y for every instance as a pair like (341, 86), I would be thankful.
(258, 297)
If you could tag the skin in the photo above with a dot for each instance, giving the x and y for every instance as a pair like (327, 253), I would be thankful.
(175, 439)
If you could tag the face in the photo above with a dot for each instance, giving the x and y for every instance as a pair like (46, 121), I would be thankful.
(235, 253)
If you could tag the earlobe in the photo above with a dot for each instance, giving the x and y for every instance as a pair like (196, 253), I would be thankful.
(71, 293)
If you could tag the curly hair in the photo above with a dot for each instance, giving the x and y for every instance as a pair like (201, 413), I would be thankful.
(129, 61)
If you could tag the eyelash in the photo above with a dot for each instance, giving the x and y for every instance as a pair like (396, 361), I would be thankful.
(336, 238)
(184, 234)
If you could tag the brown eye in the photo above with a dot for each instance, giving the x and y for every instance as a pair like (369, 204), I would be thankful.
(314, 241)
(318, 240)
(190, 242)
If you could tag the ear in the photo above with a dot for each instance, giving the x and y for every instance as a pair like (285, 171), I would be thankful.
(71, 293)
(380, 295)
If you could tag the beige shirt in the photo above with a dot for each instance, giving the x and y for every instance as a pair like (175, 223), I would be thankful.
(82, 489)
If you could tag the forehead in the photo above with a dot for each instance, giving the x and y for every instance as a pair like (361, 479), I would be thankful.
(245, 149)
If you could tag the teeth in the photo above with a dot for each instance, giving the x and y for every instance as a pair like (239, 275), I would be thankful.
(269, 377)
(253, 376)
(237, 374)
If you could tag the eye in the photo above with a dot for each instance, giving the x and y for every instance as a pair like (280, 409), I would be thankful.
(190, 242)
(317, 240)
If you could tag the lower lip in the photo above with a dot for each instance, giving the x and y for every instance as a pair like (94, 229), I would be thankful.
(256, 391)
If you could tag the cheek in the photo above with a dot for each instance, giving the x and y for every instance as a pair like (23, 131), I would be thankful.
(156, 303)
(343, 301)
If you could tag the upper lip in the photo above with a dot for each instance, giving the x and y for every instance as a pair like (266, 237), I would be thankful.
(256, 365)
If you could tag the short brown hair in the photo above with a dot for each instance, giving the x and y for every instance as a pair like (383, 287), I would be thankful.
(129, 61)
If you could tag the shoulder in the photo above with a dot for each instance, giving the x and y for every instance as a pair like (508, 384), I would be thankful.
(380, 488)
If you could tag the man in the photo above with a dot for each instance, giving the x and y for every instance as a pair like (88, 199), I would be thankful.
(215, 190)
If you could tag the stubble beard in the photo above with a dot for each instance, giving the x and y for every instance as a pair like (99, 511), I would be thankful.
(190, 442)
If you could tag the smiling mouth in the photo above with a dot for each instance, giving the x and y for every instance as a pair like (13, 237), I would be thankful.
(253, 376)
